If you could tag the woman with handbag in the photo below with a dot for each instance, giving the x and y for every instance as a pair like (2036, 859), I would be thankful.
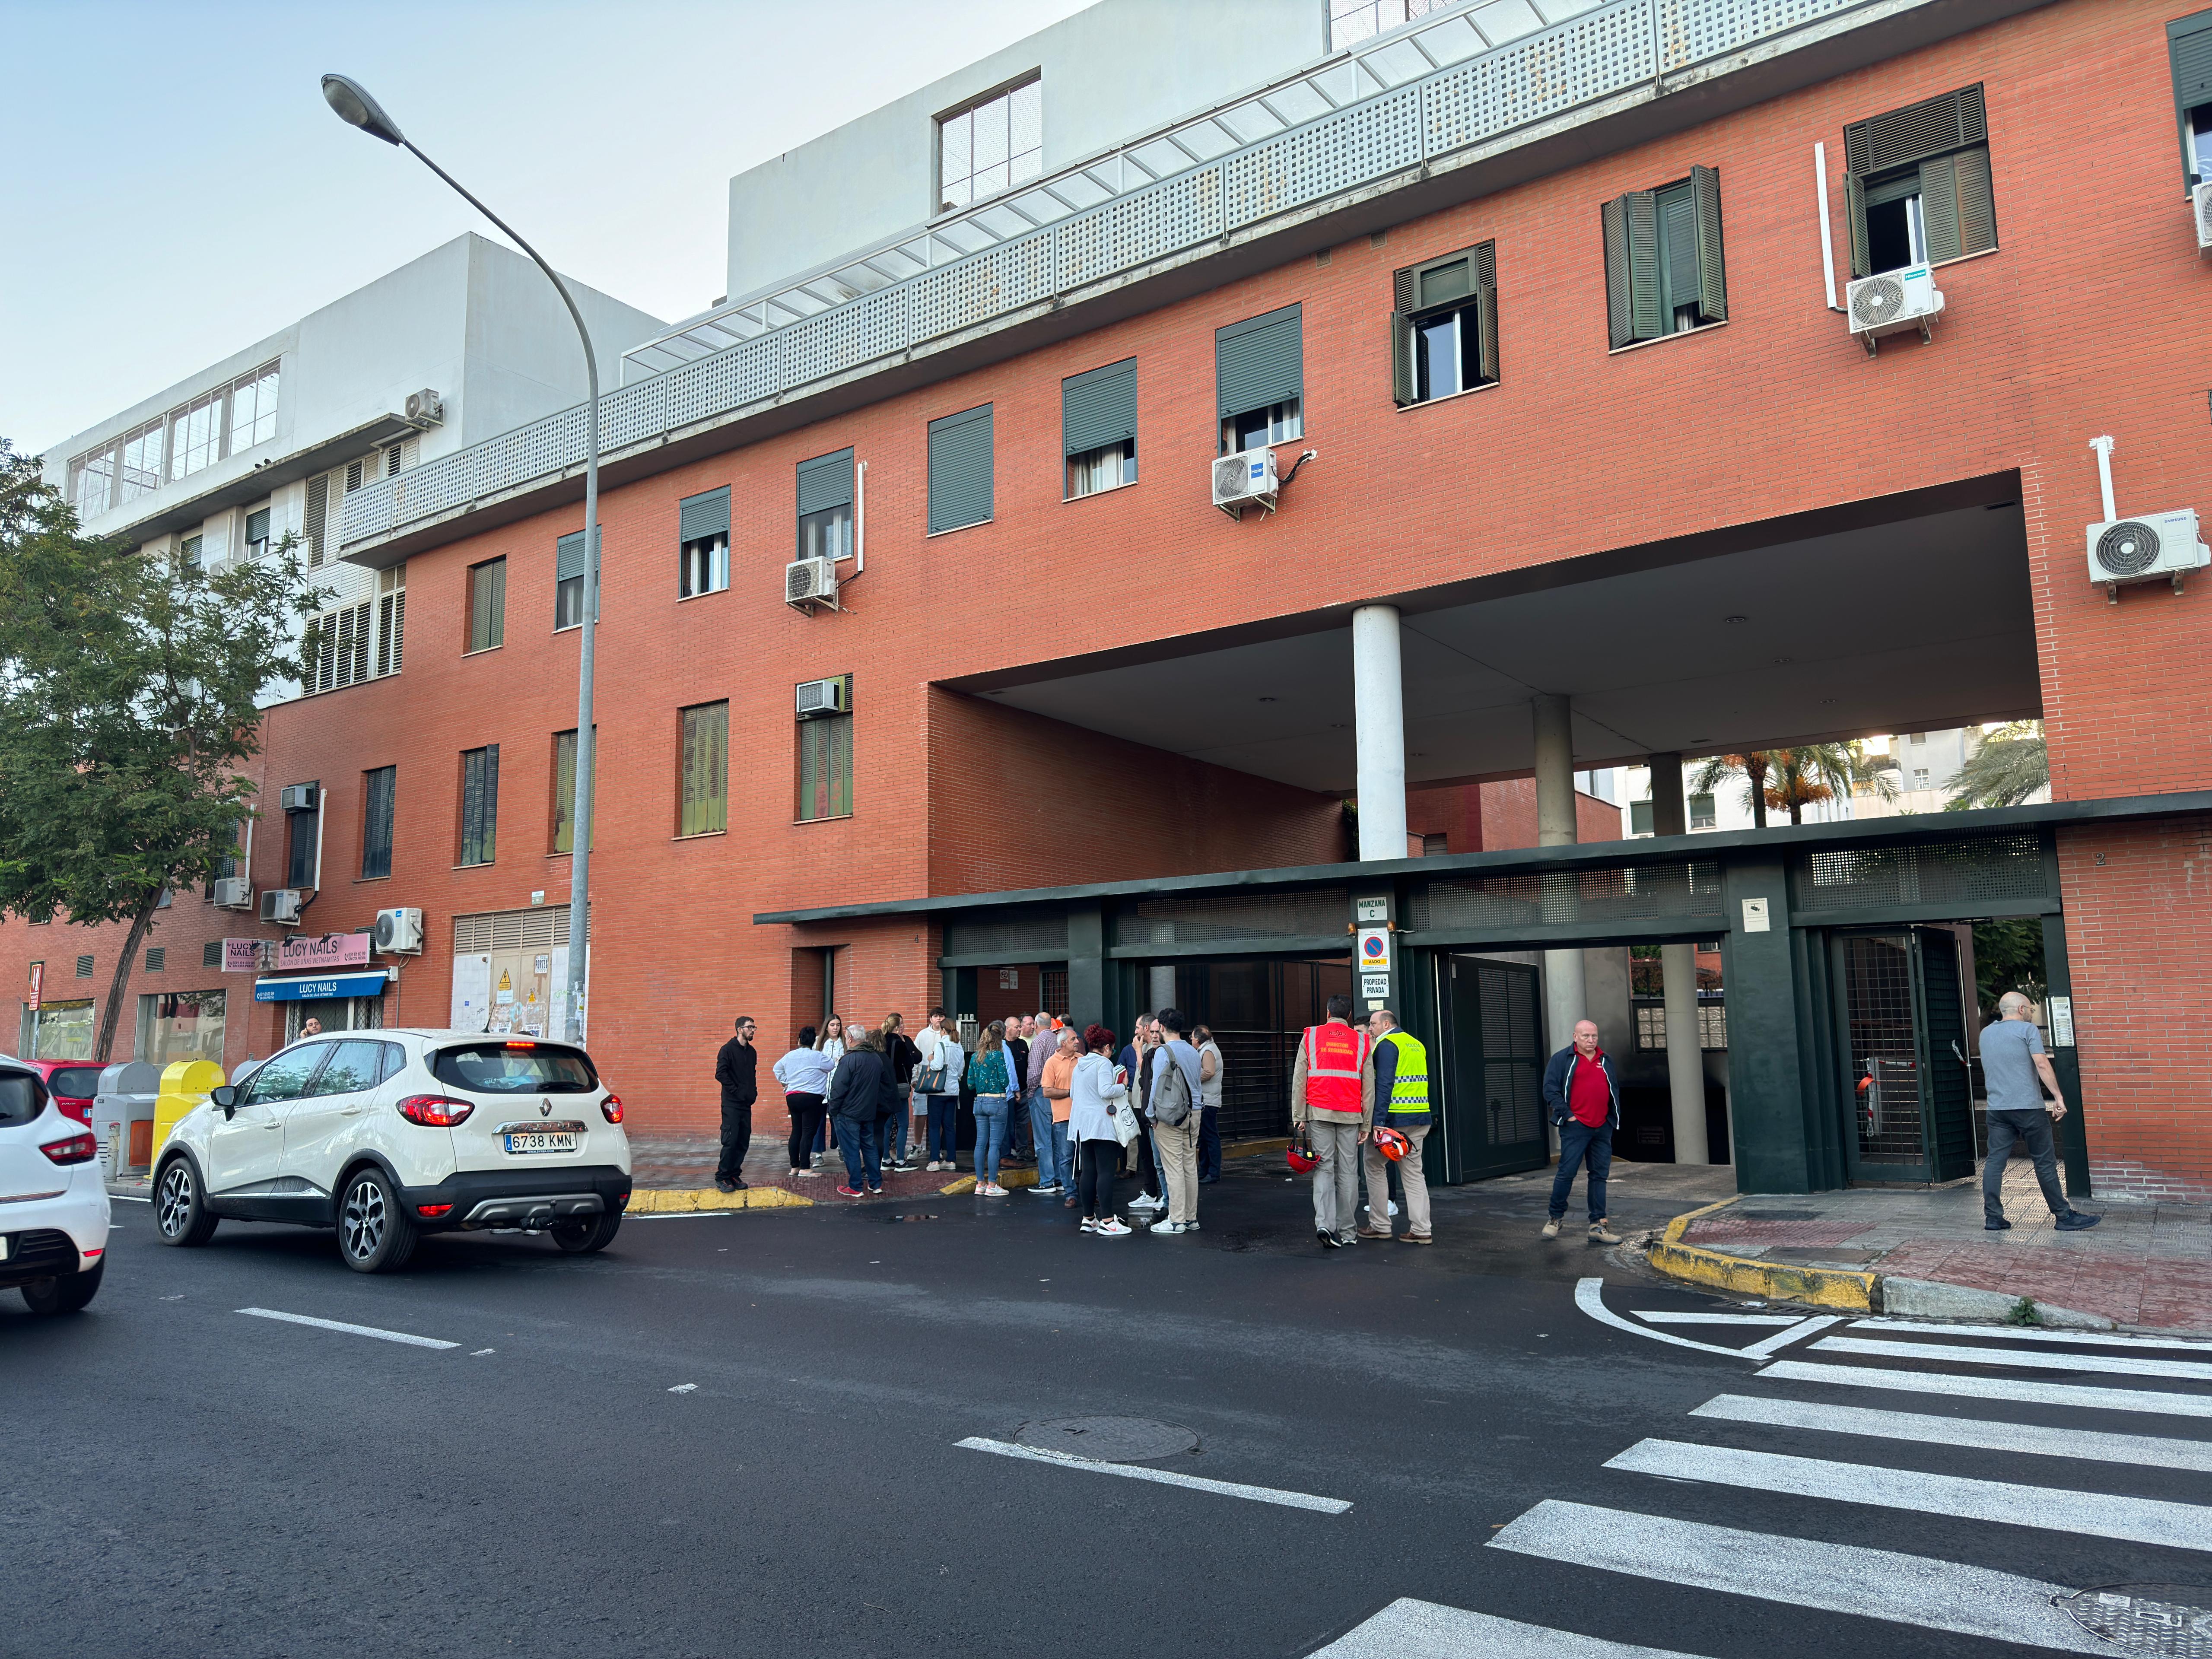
(1102, 1122)
(936, 1080)
(990, 1074)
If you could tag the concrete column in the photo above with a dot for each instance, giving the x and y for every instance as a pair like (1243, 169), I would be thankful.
(1564, 996)
(1686, 1059)
(1159, 991)
(1378, 699)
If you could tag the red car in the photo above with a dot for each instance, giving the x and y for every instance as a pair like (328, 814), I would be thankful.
(72, 1083)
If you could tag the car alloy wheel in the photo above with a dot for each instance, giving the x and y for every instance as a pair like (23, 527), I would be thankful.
(363, 1220)
(172, 1205)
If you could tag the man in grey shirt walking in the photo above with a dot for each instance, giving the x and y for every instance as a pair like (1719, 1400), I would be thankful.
(2016, 1071)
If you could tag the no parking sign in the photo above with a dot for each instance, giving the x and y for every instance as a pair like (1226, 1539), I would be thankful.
(1374, 950)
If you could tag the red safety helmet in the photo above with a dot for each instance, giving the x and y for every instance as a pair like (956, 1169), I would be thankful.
(1302, 1155)
(1391, 1143)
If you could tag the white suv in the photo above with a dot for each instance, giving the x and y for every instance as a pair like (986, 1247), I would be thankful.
(386, 1135)
(53, 1202)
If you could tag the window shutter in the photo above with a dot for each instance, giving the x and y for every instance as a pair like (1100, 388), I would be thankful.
(1402, 383)
(1931, 127)
(1486, 310)
(568, 559)
(697, 517)
(1259, 361)
(1712, 266)
(1977, 213)
(823, 482)
(1939, 209)
(960, 469)
(1443, 281)
(1854, 209)
(1678, 231)
(2189, 40)
(316, 517)
(1619, 305)
(1644, 264)
(391, 631)
(1098, 408)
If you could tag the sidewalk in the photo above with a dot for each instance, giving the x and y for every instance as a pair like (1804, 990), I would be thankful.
(2148, 1265)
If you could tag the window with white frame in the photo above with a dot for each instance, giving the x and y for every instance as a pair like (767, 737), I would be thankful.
(223, 422)
(992, 144)
(256, 530)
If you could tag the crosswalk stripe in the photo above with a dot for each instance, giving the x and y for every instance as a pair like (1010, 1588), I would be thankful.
(1657, 1317)
(1407, 1629)
(2153, 1452)
(2008, 1334)
(1911, 1589)
(1767, 1344)
(1292, 1500)
(2099, 1515)
(1993, 1387)
(2194, 1370)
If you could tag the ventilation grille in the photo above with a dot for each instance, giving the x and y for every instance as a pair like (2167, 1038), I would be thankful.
(1229, 476)
(1615, 892)
(1037, 937)
(539, 929)
(1876, 301)
(1311, 914)
(1963, 872)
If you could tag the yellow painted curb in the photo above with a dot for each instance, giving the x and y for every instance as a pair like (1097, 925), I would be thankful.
(680, 1201)
(1823, 1287)
(1009, 1179)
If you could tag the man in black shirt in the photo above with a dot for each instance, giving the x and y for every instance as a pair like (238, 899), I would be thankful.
(736, 1068)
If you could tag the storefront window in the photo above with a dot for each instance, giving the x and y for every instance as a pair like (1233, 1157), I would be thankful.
(181, 1026)
(59, 1030)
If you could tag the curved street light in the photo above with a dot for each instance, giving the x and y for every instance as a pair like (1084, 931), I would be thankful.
(354, 105)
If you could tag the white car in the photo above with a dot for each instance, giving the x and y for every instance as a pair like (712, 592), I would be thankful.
(53, 1202)
(387, 1135)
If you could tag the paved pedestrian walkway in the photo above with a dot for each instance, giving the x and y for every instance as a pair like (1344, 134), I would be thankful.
(2148, 1265)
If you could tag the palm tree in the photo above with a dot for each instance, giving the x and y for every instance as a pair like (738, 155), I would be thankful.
(2011, 765)
(1790, 780)
(1752, 767)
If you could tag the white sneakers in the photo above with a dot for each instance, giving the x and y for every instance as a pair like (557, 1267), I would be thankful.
(1147, 1202)
(1110, 1227)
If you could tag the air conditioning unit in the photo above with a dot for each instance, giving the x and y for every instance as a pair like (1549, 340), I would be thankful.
(398, 931)
(2154, 547)
(234, 893)
(1892, 302)
(281, 905)
(822, 697)
(2200, 205)
(425, 410)
(810, 582)
(296, 797)
(1245, 479)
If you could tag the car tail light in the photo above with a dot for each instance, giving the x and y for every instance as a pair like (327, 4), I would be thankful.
(611, 1108)
(432, 1212)
(435, 1111)
(72, 1149)
(521, 1045)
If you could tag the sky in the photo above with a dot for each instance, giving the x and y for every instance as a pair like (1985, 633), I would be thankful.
(172, 186)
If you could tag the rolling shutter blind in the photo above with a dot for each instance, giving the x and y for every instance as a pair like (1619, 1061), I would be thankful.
(697, 517)
(2189, 40)
(960, 469)
(1712, 264)
(1632, 268)
(1259, 361)
(569, 559)
(1098, 408)
(825, 481)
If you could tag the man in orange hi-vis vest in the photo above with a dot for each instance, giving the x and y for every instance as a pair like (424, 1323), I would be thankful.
(1332, 1093)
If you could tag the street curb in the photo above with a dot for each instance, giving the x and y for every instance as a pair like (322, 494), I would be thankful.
(1931, 1298)
(684, 1200)
(1009, 1179)
(1821, 1288)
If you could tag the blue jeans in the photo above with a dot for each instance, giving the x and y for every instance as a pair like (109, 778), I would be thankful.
(856, 1143)
(1018, 1124)
(1055, 1162)
(1209, 1144)
(990, 1137)
(893, 1135)
(944, 1128)
(1579, 1143)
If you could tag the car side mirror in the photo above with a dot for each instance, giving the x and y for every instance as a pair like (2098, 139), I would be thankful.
(225, 1096)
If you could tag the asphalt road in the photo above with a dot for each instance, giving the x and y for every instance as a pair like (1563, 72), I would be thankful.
(177, 1478)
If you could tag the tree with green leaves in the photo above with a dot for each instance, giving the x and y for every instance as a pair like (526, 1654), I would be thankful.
(2011, 765)
(128, 688)
(1790, 780)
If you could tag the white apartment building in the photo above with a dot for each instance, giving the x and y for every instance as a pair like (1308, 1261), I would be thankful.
(462, 343)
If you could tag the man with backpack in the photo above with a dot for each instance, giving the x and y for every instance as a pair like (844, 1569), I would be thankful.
(1172, 1105)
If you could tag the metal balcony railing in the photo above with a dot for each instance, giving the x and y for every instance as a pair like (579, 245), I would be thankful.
(1404, 99)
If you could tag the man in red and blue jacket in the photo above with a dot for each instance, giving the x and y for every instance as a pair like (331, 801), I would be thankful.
(1583, 1099)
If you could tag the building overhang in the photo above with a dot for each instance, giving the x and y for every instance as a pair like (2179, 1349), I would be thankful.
(257, 480)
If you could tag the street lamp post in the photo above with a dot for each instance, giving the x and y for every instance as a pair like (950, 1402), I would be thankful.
(357, 108)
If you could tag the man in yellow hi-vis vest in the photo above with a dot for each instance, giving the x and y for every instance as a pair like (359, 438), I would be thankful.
(1402, 1103)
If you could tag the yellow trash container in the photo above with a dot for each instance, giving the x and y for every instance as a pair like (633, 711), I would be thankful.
(185, 1085)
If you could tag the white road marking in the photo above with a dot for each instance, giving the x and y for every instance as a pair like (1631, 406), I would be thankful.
(1658, 1318)
(1407, 1629)
(1295, 1500)
(478, 1353)
(2193, 1369)
(129, 1198)
(2099, 1515)
(685, 1388)
(411, 1340)
(2153, 1451)
(1767, 1345)
(2023, 1334)
(1589, 1296)
(672, 1215)
(1994, 1388)
(1909, 1589)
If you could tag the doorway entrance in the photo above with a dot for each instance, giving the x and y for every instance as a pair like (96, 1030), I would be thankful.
(1494, 1057)
(1902, 1033)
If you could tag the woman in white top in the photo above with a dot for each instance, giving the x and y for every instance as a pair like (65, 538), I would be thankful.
(1099, 1093)
(804, 1075)
(831, 1043)
(942, 1059)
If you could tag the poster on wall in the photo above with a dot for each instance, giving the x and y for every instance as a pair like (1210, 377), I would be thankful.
(472, 1009)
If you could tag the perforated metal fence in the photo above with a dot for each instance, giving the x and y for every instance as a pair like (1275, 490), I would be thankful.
(1630, 892)
(1468, 77)
(1215, 918)
(1969, 872)
(1011, 936)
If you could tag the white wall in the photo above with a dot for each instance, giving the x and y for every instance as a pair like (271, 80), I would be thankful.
(1110, 73)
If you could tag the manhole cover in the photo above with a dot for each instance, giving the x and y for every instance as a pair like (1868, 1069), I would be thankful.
(2162, 1619)
(1110, 1439)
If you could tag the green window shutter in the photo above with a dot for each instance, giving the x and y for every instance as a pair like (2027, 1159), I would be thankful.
(2189, 42)
(1855, 212)
(698, 517)
(1977, 213)
(1098, 408)
(1259, 361)
(568, 559)
(1932, 126)
(1444, 281)
(1712, 266)
(1620, 306)
(960, 469)
(1402, 290)
(1678, 263)
(825, 481)
(1642, 210)
(1486, 310)
(1939, 209)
